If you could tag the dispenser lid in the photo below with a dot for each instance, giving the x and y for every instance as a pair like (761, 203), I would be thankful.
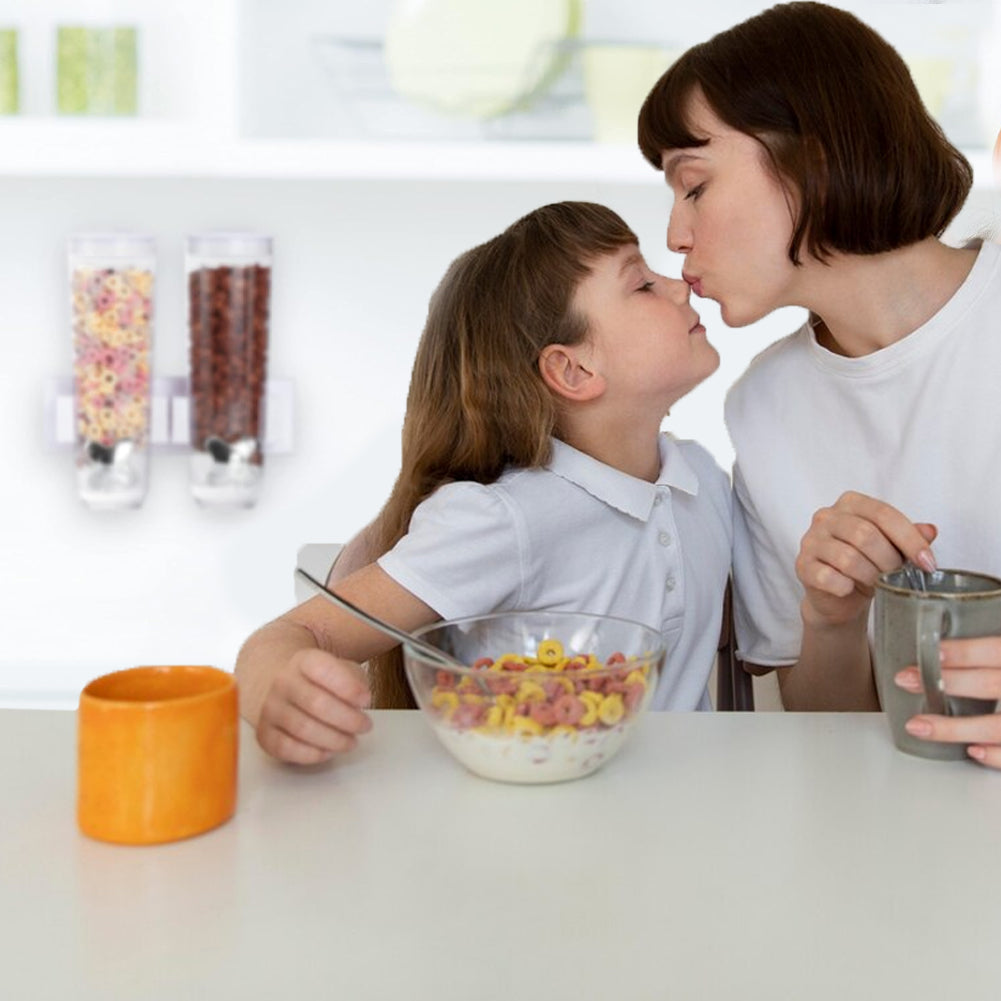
(230, 245)
(111, 244)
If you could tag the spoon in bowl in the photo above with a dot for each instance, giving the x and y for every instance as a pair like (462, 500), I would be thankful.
(425, 649)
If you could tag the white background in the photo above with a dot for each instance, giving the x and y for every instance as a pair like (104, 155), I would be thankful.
(83, 593)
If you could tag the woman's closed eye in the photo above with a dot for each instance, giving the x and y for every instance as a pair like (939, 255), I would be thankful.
(646, 286)
(694, 193)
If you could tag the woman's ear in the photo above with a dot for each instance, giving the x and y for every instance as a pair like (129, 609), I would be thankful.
(567, 371)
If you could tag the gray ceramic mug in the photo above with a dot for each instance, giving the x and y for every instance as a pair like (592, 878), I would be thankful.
(909, 625)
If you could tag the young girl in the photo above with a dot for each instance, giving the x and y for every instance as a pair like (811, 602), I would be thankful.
(806, 171)
(534, 476)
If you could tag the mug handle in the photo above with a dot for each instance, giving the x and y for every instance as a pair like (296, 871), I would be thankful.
(932, 625)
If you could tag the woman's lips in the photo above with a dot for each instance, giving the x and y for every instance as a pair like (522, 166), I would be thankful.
(695, 283)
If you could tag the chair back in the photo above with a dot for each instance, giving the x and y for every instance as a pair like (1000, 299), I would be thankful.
(734, 686)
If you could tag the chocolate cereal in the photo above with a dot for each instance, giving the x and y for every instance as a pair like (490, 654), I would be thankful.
(229, 309)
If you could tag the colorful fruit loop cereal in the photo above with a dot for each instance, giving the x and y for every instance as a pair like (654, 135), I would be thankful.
(555, 700)
(111, 317)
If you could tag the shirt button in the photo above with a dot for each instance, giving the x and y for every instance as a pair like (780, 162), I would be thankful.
(664, 538)
(658, 498)
(669, 583)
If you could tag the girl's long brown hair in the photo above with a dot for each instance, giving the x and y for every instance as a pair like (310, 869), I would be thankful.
(477, 403)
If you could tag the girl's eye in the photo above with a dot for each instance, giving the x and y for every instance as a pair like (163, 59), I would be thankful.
(695, 192)
(645, 287)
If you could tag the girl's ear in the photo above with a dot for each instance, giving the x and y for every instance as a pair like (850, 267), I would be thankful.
(566, 370)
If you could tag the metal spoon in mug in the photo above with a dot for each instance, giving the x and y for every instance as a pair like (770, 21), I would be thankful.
(915, 576)
(428, 651)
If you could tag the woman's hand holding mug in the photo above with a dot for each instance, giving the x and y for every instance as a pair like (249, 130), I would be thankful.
(971, 668)
(846, 548)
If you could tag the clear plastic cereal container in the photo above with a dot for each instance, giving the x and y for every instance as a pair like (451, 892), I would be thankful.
(229, 304)
(111, 278)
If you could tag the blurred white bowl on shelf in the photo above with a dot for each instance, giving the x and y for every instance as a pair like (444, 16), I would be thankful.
(477, 60)
(376, 109)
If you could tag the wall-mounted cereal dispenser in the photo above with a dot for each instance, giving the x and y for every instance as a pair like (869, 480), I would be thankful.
(229, 298)
(111, 279)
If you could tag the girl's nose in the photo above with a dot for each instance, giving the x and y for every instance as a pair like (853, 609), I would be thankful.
(680, 291)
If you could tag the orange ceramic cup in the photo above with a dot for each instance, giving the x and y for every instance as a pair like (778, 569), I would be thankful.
(156, 754)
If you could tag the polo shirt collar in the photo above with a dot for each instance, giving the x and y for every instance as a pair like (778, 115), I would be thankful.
(625, 493)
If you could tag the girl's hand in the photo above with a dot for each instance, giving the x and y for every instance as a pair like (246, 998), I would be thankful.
(847, 547)
(970, 667)
(314, 708)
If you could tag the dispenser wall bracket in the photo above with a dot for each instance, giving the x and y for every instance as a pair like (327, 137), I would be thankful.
(170, 405)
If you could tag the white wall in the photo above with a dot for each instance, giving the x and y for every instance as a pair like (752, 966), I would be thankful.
(82, 593)
(171, 582)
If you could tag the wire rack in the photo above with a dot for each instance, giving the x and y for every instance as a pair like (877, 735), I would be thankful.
(369, 104)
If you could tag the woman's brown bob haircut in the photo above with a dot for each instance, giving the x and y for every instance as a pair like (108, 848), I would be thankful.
(839, 118)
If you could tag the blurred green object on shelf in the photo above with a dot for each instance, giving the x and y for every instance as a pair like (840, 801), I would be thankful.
(617, 78)
(97, 71)
(9, 84)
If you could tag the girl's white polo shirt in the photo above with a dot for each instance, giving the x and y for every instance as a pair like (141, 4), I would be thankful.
(578, 535)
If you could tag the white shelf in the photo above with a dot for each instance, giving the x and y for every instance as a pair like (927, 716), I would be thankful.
(144, 149)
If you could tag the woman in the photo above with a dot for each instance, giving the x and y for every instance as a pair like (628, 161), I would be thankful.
(806, 171)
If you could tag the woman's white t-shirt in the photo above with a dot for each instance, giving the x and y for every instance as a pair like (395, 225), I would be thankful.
(916, 424)
(578, 535)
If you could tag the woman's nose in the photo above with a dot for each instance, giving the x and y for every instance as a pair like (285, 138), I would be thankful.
(679, 237)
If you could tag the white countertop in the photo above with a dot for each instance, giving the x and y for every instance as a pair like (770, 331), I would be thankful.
(745, 856)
